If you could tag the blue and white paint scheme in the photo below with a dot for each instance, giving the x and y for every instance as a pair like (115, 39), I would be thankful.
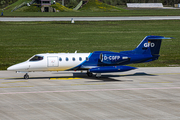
(97, 62)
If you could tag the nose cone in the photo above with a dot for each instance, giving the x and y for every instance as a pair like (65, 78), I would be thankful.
(18, 67)
(11, 68)
(14, 68)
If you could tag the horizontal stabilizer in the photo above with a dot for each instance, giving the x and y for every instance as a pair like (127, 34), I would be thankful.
(162, 38)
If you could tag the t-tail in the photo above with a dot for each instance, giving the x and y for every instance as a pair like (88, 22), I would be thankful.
(150, 45)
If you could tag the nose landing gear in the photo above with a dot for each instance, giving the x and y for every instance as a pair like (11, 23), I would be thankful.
(26, 76)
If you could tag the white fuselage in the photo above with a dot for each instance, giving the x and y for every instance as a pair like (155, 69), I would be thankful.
(51, 62)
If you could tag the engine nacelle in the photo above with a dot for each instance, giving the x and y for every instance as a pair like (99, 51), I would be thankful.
(113, 58)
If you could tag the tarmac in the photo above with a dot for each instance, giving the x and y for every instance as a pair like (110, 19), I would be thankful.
(143, 94)
(16, 19)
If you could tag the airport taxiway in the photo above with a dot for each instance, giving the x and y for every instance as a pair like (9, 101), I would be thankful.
(89, 18)
(146, 93)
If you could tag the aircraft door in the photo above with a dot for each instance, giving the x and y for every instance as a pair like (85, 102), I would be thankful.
(52, 62)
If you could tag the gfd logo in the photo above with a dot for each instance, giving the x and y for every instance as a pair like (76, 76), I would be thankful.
(149, 44)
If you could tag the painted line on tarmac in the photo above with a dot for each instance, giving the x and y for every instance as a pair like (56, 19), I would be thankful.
(153, 82)
(166, 74)
(15, 86)
(92, 90)
(13, 82)
(11, 78)
(88, 84)
(64, 78)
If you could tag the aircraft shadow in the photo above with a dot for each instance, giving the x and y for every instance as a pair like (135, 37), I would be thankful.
(104, 78)
(108, 78)
(110, 75)
(139, 74)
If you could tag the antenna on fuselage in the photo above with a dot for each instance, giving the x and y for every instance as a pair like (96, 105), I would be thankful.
(75, 51)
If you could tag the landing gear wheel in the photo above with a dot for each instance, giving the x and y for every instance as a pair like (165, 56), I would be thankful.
(90, 74)
(26, 76)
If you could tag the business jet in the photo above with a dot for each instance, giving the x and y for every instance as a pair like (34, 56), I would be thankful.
(94, 63)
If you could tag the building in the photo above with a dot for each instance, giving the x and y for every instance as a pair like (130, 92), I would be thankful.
(44, 4)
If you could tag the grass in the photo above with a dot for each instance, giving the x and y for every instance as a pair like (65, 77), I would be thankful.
(93, 8)
(61, 8)
(95, 5)
(92, 5)
(12, 6)
(144, 12)
(31, 8)
(21, 40)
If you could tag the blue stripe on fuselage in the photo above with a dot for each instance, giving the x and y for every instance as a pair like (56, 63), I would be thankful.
(94, 60)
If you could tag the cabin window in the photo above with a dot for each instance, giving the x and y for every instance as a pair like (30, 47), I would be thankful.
(36, 58)
(80, 59)
(87, 59)
(60, 59)
(67, 58)
(73, 59)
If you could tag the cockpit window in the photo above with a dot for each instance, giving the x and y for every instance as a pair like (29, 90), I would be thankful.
(36, 58)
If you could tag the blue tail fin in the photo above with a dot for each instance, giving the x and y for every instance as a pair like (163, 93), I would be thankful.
(150, 45)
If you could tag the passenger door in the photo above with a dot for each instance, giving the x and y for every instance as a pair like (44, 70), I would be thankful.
(52, 61)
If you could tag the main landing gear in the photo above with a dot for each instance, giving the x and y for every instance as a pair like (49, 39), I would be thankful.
(90, 74)
(26, 76)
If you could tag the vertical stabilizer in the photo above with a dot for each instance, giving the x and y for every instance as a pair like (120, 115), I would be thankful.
(150, 45)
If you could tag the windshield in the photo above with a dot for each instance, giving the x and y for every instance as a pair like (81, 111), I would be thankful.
(36, 58)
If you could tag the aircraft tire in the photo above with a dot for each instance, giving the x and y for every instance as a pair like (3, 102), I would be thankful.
(89, 74)
(26, 76)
